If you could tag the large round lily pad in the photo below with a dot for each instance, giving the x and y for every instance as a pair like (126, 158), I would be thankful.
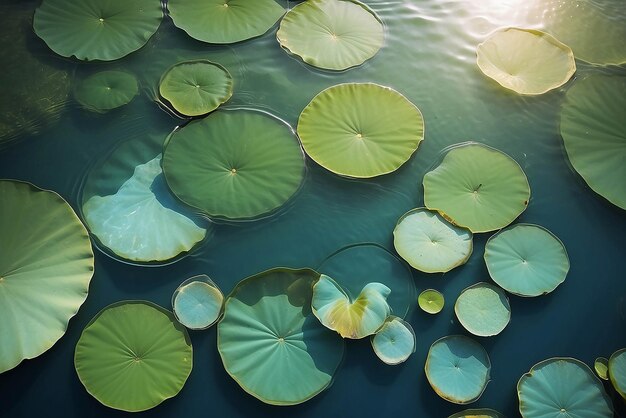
(477, 187)
(617, 371)
(195, 88)
(593, 127)
(97, 29)
(458, 368)
(483, 309)
(331, 34)
(477, 413)
(197, 302)
(133, 355)
(360, 130)
(526, 61)
(106, 90)
(224, 21)
(562, 387)
(46, 264)
(270, 341)
(429, 243)
(234, 164)
(526, 260)
(394, 342)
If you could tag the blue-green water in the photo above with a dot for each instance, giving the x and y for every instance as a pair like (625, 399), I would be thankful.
(429, 57)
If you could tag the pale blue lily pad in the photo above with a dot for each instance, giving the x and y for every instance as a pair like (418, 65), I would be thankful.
(483, 309)
(394, 342)
(197, 302)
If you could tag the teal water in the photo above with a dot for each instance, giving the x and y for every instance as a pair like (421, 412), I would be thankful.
(429, 57)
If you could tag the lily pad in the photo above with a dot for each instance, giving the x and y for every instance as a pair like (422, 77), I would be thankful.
(601, 366)
(133, 355)
(593, 127)
(458, 368)
(195, 88)
(96, 29)
(617, 371)
(394, 342)
(331, 34)
(197, 302)
(429, 243)
(560, 387)
(526, 260)
(477, 413)
(431, 301)
(526, 61)
(224, 21)
(360, 130)
(237, 164)
(356, 318)
(106, 90)
(269, 334)
(483, 309)
(46, 264)
(477, 187)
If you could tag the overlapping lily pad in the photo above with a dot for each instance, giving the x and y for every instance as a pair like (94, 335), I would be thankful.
(458, 368)
(133, 355)
(197, 302)
(483, 309)
(96, 29)
(195, 88)
(269, 334)
(526, 260)
(429, 243)
(331, 34)
(477, 413)
(394, 342)
(560, 387)
(236, 164)
(431, 301)
(593, 127)
(477, 187)
(224, 21)
(106, 90)
(617, 371)
(526, 61)
(360, 130)
(46, 264)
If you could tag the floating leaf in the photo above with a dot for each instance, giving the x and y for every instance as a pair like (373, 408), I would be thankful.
(394, 342)
(601, 366)
(431, 301)
(106, 90)
(483, 309)
(477, 413)
(617, 371)
(197, 302)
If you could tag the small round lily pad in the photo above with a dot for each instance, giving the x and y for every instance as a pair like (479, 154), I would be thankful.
(526, 260)
(483, 309)
(431, 301)
(429, 243)
(197, 302)
(195, 88)
(394, 342)
(331, 34)
(477, 413)
(617, 371)
(601, 366)
(106, 90)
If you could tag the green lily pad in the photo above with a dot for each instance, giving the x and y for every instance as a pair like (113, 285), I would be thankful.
(360, 130)
(593, 127)
(429, 243)
(477, 187)
(483, 309)
(394, 342)
(526, 61)
(356, 318)
(195, 88)
(560, 387)
(331, 34)
(96, 29)
(526, 260)
(46, 264)
(106, 90)
(617, 371)
(431, 301)
(458, 368)
(139, 222)
(224, 21)
(133, 355)
(197, 302)
(477, 413)
(236, 164)
(601, 366)
(269, 334)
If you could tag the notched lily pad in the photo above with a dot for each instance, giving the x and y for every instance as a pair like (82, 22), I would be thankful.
(394, 342)
(431, 301)
(106, 90)
(483, 309)
(197, 302)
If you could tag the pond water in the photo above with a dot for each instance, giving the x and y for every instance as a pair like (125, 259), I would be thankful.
(429, 56)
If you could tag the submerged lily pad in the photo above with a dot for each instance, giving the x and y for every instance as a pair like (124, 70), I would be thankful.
(133, 355)
(601, 366)
(458, 368)
(477, 413)
(106, 90)
(196, 88)
(617, 371)
(394, 342)
(96, 29)
(526, 260)
(360, 130)
(356, 318)
(593, 127)
(560, 387)
(197, 302)
(224, 21)
(526, 61)
(331, 34)
(236, 164)
(429, 243)
(477, 187)
(431, 301)
(269, 334)
(483, 309)
(46, 264)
